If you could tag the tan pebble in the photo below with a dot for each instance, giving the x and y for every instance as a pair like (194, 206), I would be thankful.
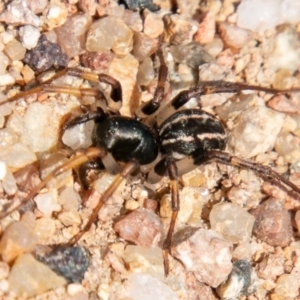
(28, 73)
(44, 228)
(142, 226)
(28, 277)
(153, 25)
(233, 36)
(282, 104)
(74, 288)
(165, 207)
(131, 204)
(17, 238)
(69, 218)
(179, 30)
(4, 270)
(206, 30)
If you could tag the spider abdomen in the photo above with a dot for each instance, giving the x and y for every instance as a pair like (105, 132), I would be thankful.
(126, 139)
(191, 130)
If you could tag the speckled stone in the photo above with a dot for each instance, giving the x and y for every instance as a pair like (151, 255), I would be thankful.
(28, 277)
(205, 253)
(273, 223)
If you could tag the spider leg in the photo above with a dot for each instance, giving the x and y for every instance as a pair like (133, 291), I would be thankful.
(226, 158)
(49, 87)
(212, 87)
(150, 108)
(175, 200)
(79, 159)
(92, 115)
(127, 170)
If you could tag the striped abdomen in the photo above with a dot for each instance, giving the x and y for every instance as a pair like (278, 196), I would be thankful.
(189, 130)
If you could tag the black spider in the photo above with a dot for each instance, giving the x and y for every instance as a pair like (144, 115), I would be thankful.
(177, 141)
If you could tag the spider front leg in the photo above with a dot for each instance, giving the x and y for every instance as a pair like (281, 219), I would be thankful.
(49, 87)
(148, 110)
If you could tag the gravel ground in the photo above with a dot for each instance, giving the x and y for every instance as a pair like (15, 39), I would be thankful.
(237, 235)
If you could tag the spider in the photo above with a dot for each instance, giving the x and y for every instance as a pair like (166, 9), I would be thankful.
(176, 141)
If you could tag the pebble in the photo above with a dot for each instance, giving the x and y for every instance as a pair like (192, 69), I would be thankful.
(242, 251)
(214, 47)
(45, 55)
(7, 138)
(7, 108)
(9, 183)
(273, 223)
(110, 33)
(133, 20)
(153, 24)
(4, 61)
(44, 228)
(283, 79)
(28, 277)
(146, 72)
(141, 4)
(116, 262)
(17, 156)
(142, 227)
(203, 252)
(287, 145)
(234, 36)
(232, 222)
(3, 170)
(69, 199)
(56, 15)
(69, 262)
(79, 136)
(179, 30)
(285, 52)
(191, 202)
(125, 70)
(271, 266)
(255, 131)
(144, 260)
(47, 204)
(282, 104)
(27, 177)
(4, 270)
(206, 29)
(15, 50)
(240, 282)
(29, 36)
(38, 6)
(192, 54)
(27, 73)
(69, 218)
(74, 288)
(18, 237)
(251, 14)
(287, 286)
(6, 79)
(72, 34)
(17, 12)
(41, 124)
(144, 46)
(146, 287)
(97, 61)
